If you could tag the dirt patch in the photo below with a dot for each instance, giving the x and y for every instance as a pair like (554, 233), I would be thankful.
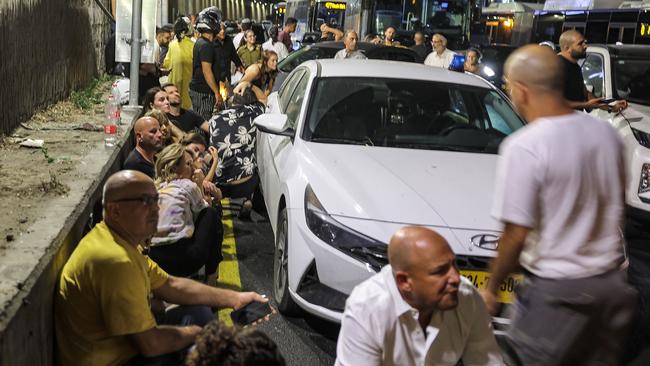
(30, 178)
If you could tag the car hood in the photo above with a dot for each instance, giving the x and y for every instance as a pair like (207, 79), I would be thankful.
(639, 116)
(421, 187)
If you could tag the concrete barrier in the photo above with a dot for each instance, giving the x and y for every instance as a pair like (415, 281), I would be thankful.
(30, 266)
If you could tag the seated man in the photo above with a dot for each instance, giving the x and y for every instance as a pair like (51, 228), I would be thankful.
(417, 311)
(185, 119)
(220, 344)
(233, 133)
(148, 141)
(102, 304)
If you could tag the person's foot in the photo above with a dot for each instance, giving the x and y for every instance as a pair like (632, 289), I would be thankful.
(246, 208)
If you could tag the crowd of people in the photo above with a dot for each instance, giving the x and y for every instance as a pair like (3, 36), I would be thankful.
(141, 286)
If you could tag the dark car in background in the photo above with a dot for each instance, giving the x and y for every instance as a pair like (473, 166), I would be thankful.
(493, 57)
(329, 49)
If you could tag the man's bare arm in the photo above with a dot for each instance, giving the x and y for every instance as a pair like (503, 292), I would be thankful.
(160, 340)
(183, 291)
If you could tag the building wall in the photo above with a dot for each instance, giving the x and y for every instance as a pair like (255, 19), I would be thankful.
(49, 48)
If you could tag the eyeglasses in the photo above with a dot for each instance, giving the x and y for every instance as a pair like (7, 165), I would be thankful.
(145, 200)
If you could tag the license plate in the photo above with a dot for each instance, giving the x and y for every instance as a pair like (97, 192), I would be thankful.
(506, 293)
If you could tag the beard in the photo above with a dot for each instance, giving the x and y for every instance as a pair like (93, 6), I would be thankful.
(578, 55)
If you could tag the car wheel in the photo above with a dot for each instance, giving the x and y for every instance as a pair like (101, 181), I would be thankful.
(283, 299)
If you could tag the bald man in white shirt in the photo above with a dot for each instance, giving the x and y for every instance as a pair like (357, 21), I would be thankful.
(417, 311)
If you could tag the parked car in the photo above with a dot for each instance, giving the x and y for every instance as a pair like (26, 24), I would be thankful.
(349, 152)
(328, 49)
(623, 72)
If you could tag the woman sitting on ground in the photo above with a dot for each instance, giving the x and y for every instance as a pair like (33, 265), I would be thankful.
(205, 166)
(189, 231)
(156, 99)
(261, 74)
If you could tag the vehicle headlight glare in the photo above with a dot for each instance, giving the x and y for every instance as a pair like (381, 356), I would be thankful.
(644, 184)
(487, 70)
(371, 252)
(642, 137)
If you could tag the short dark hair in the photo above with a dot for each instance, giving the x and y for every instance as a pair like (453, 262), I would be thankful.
(247, 98)
(167, 28)
(219, 344)
(193, 138)
(290, 21)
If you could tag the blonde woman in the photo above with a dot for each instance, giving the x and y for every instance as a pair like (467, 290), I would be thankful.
(189, 230)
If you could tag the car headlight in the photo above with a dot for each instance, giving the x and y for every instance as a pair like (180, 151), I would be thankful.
(644, 184)
(371, 252)
(642, 137)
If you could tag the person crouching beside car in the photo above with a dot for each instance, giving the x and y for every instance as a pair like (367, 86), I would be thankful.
(189, 231)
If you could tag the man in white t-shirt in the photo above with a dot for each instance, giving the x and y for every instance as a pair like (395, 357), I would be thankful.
(417, 311)
(441, 56)
(559, 193)
(351, 51)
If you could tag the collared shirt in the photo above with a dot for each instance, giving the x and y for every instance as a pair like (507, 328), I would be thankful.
(443, 60)
(356, 54)
(248, 56)
(380, 328)
(564, 178)
(233, 133)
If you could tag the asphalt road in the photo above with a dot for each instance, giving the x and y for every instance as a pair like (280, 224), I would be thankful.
(311, 341)
(302, 341)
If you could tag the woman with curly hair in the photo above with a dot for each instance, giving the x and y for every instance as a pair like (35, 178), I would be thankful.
(189, 230)
(219, 344)
(261, 74)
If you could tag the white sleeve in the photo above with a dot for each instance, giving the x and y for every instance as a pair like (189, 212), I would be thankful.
(356, 346)
(428, 60)
(517, 185)
(281, 50)
(195, 195)
(481, 347)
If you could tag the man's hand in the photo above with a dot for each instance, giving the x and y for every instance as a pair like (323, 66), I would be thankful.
(218, 101)
(594, 103)
(619, 105)
(491, 303)
(241, 87)
(245, 298)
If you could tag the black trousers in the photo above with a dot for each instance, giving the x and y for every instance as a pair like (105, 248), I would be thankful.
(187, 256)
(241, 190)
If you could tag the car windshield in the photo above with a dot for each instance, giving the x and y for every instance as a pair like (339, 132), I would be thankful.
(632, 80)
(413, 114)
(305, 54)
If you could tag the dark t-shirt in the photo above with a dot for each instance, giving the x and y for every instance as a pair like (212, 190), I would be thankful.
(135, 161)
(187, 121)
(574, 85)
(224, 53)
(203, 52)
(422, 51)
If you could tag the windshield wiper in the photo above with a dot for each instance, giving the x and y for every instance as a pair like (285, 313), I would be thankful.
(341, 140)
(439, 147)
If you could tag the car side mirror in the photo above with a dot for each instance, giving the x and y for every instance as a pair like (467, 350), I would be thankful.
(274, 124)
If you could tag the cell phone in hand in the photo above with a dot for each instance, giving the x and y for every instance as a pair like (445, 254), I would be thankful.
(250, 313)
(607, 101)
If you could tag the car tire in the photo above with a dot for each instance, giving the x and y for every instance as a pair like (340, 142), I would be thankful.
(281, 295)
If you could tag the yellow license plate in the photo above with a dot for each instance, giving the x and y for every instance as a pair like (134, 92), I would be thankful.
(506, 293)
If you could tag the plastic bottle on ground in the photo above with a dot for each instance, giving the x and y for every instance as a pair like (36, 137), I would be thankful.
(112, 120)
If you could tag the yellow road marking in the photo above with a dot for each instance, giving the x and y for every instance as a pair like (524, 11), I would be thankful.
(229, 266)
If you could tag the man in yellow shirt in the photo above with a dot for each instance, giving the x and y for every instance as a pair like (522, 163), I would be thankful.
(102, 304)
(179, 60)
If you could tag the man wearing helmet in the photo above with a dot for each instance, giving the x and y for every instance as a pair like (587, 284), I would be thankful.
(204, 89)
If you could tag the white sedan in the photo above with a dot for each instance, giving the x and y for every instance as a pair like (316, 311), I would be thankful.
(623, 72)
(350, 151)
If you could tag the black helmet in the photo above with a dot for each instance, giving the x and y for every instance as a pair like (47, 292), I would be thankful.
(209, 20)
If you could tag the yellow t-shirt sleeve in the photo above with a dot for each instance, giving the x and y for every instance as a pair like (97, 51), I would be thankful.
(157, 276)
(124, 299)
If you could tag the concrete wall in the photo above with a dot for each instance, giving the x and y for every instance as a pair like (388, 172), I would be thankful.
(29, 266)
(48, 48)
